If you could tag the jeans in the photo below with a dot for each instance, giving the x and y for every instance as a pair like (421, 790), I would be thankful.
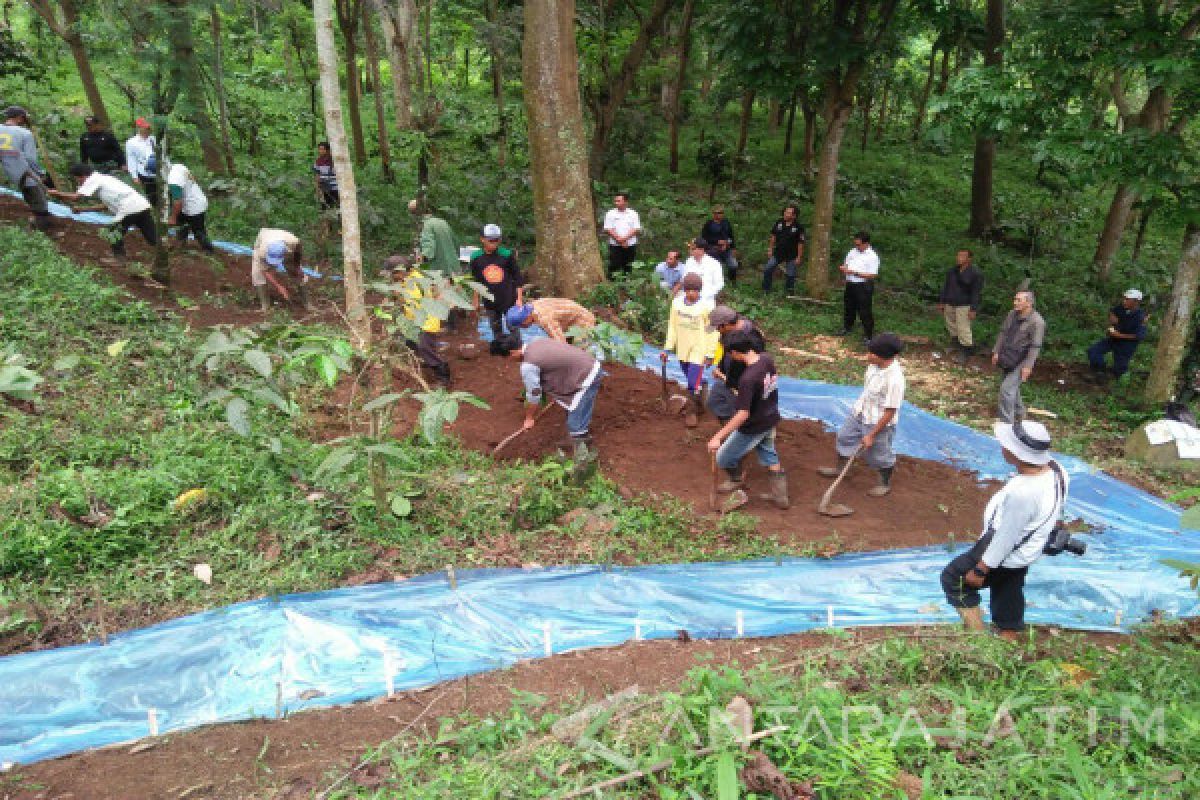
(856, 301)
(1010, 405)
(579, 420)
(735, 448)
(1122, 351)
(1007, 587)
(789, 272)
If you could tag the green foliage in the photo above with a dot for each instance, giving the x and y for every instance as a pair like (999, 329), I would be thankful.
(639, 302)
(16, 379)
(612, 343)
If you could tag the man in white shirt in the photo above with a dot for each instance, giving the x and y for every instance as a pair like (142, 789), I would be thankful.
(861, 267)
(140, 161)
(871, 426)
(188, 206)
(1017, 524)
(622, 224)
(278, 252)
(707, 267)
(128, 208)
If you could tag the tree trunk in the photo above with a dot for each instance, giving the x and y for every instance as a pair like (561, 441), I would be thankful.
(68, 30)
(612, 95)
(1177, 322)
(1147, 211)
(682, 51)
(400, 32)
(837, 117)
(881, 120)
(496, 56)
(1114, 226)
(568, 260)
(944, 80)
(866, 123)
(810, 138)
(335, 131)
(744, 124)
(923, 102)
(791, 124)
(774, 115)
(983, 218)
(385, 149)
(219, 85)
(184, 74)
(348, 15)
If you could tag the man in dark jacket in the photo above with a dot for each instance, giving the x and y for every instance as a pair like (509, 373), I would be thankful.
(718, 233)
(99, 147)
(1126, 327)
(959, 302)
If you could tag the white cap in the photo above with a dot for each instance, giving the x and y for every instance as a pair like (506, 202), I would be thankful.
(1133, 294)
(491, 231)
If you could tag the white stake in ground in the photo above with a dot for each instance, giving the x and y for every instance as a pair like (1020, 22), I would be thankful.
(741, 624)
(152, 721)
(829, 616)
(389, 672)
(637, 630)
(549, 649)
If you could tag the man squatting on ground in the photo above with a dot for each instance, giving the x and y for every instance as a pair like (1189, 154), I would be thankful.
(1015, 353)
(1017, 523)
(425, 345)
(127, 207)
(273, 249)
(959, 301)
(752, 426)
(1126, 327)
(871, 425)
(692, 340)
(19, 157)
(496, 268)
(569, 375)
(554, 315)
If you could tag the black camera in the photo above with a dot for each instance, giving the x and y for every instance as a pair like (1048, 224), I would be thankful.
(1061, 541)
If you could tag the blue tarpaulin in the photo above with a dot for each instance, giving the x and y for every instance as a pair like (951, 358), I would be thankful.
(278, 656)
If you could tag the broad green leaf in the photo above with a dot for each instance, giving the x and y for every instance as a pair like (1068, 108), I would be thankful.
(326, 369)
(237, 414)
(269, 395)
(260, 362)
(390, 450)
(216, 396)
(335, 463)
(383, 401)
(116, 348)
(66, 363)
(1190, 518)
(727, 779)
(18, 381)
(275, 445)
(342, 348)
(401, 505)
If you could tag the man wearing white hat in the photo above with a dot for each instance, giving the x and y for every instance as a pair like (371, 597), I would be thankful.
(1017, 524)
(1126, 327)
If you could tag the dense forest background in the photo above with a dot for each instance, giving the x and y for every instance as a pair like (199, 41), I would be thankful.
(1057, 139)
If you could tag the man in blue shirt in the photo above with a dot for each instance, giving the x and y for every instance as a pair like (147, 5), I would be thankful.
(1126, 327)
(669, 272)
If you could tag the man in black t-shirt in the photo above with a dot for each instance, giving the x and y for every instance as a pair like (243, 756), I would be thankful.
(722, 397)
(99, 147)
(496, 268)
(784, 249)
(752, 426)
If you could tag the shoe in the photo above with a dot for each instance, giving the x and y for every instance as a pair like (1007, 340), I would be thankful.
(733, 481)
(828, 472)
(778, 494)
(879, 491)
(735, 501)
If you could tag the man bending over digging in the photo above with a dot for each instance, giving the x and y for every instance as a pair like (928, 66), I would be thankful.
(752, 426)
(871, 426)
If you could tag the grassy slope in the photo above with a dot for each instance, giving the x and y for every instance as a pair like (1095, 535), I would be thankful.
(890, 693)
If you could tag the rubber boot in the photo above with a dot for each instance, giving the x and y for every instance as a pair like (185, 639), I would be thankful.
(833, 472)
(972, 618)
(264, 298)
(41, 222)
(302, 296)
(960, 357)
(778, 490)
(734, 478)
(691, 414)
(885, 483)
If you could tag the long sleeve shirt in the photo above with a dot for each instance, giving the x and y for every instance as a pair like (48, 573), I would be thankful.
(962, 287)
(139, 156)
(557, 315)
(709, 270)
(439, 247)
(687, 330)
(1027, 506)
(1020, 340)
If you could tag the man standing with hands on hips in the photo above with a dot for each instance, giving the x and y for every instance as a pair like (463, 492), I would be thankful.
(622, 224)
(861, 268)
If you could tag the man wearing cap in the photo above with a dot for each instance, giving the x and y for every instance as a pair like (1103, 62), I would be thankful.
(718, 232)
(727, 371)
(1016, 351)
(860, 269)
(140, 160)
(962, 292)
(496, 268)
(277, 251)
(128, 208)
(669, 272)
(1017, 523)
(437, 244)
(707, 267)
(554, 315)
(98, 147)
(189, 206)
(871, 426)
(19, 158)
(752, 426)
(1126, 327)
(569, 375)
(622, 224)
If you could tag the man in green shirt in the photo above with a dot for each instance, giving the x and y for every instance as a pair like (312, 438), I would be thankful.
(437, 243)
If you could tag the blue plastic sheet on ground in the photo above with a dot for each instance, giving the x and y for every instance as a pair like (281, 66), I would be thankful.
(278, 656)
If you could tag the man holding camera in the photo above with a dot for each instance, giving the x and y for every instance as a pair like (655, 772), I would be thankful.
(1019, 526)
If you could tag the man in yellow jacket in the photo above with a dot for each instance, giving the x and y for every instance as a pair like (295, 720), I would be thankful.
(426, 345)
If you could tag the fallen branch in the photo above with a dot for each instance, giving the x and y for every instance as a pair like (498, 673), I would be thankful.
(791, 351)
(659, 766)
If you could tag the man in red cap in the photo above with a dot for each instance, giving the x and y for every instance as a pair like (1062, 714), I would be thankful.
(141, 162)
